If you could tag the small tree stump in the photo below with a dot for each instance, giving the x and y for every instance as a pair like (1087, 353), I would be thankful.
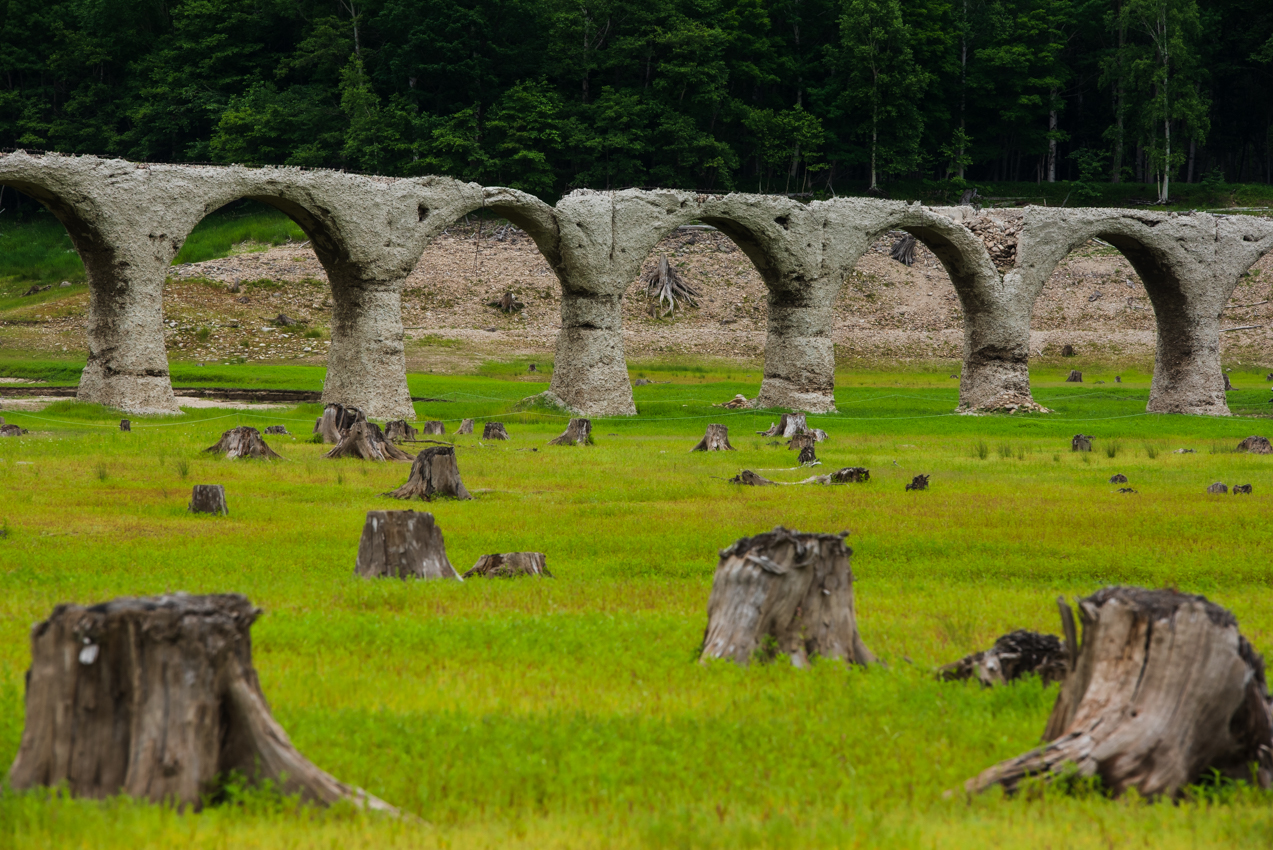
(1081, 443)
(578, 432)
(208, 499)
(1255, 445)
(750, 478)
(494, 431)
(402, 544)
(278, 429)
(800, 441)
(919, 482)
(1075, 377)
(365, 441)
(1014, 655)
(788, 426)
(784, 592)
(715, 440)
(738, 402)
(157, 698)
(1120, 478)
(904, 249)
(399, 430)
(1228, 387)
(851, 475)
(1067, 351)
(336, 420)
(466, 427)
(1118, 379)
(243, 441)
(12, 430)
(125, 425)
(433, 428)
(806, 456)
(434, 474)
(510, 565)
(1163, 691)
(1217, 488)
(1242, 488)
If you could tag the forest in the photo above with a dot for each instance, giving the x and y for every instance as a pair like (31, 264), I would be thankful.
(806, 97)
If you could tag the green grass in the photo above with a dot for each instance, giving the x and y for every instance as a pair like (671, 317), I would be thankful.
(571, 712)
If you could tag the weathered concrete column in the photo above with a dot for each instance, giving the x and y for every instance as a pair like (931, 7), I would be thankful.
(799, 355)
(996, 368)
(366, 366)
(1187, 371)
(590, 373)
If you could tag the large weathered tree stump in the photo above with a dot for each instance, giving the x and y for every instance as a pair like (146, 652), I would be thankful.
(787, 427)
(434, 428)
(466, 427)
(402, 544)
(1014, 655)
(434, 474)
(494, 431)
(1255, 445)
(784, 592)
(243, 441)
(715, 440)
(337, 419)
(399, 430)
(208, 499)
(1162, 692)
(510, 565)
(578, 432)
(156, 698)
(365, 440)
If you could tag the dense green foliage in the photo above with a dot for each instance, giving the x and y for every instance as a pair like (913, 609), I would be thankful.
(775, 95)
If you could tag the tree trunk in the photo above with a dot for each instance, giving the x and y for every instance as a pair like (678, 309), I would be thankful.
(510, 565)
(434, 474)
(466, 427)
(365, 441)
(125, 425)
(1013, 656)
(402, 544)
(784, 592)
(1255, 445)
(337, 419)
(494, 431)
(904, 249)
(1052, 124)
(243, 441)
(1163, 692)
(208, 499)
(434, 428)
(789, 426)
(579, 431)
(715, 440)
(399, 430)
(157, 698)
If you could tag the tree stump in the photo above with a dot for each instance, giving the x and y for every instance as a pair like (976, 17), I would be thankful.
(466, 427)
(1163, 691)
(1118, 379)
(578, 432)
(336, 420)
(125, 425)
(800, 441)
(434, 428)
(784, 592)
(278, 429)
(434, 474)
(738, 402)
(1228, 387)
(1217, 488)
(1120, 478)
(365, 440)
(1242, 488)
(919, 482)
(851, 475)
(1014, 655)
(510, 565)
(1067, 351)
(1075, 377)
(399, 430)
(1081, 443)
(788, 426)
(1255, 445)
(904, 249)
(208, 499)
(157, 698)
(494, 431)
(715, 440)
(806, 456)
(243, 441)
(750, 478)
(402, 544)
(12, 430)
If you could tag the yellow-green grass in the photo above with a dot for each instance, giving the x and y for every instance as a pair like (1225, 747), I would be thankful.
(571, 712)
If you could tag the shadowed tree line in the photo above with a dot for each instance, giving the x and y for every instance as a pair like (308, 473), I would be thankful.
(545, 95)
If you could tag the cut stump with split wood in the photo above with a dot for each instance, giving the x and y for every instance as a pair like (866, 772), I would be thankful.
(434, 428)
(577, 433)
(466, 427)
(434, 474)
(208, 499)
(402, 544)
(919, 482)
(750, 478)
(365, 441)
(1014, 655)
(510, 565)
(807, 456)
(1255, 445)
(1081, 443)
(494, 431)
(157, 698)
(787, 427)
(784, 592)
(336, 420)
(715, 440)
(399, 430)
(243, 442)
(1163, 692)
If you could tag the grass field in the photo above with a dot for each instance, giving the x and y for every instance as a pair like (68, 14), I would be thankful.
(571, 712)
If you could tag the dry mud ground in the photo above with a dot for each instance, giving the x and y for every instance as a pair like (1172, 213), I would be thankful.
(886, 310)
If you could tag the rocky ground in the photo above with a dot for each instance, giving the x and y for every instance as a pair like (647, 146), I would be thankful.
(227, 309)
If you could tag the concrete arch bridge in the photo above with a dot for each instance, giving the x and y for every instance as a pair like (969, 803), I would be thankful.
(128, 221)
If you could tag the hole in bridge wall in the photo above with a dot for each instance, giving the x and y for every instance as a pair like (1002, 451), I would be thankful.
(423, 212)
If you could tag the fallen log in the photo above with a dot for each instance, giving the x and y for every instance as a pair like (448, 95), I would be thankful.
(715, 440)
(510, 565)
(434, 474)
(578, 432)
(402, 544)
(157, 698)
(1014, 655)
(243, 442)
(784, 592)
(1163, 692)
(494, 431)
(750, 478)
(365, 441)
(208, 499)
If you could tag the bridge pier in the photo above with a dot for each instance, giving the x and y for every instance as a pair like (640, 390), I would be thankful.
(590, 373)
(1187, 371)
(996, 367)
(367, 366)
(799, 356)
